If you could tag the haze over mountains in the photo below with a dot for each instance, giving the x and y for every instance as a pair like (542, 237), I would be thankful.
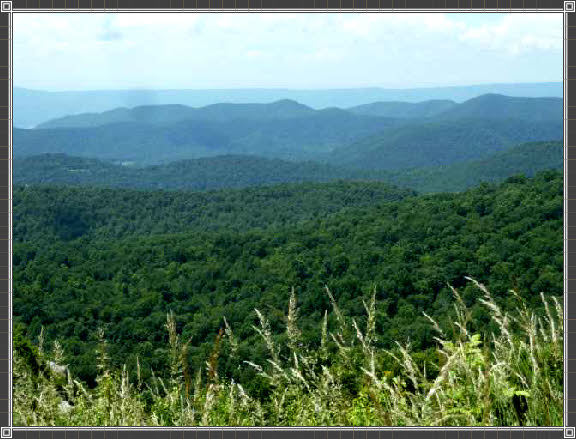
(166, 114)
(147, 142)
(32, 107)
(487, 106)
(486, 138)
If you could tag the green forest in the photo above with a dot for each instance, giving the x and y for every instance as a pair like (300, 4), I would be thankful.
(386, 264)
(99, 270)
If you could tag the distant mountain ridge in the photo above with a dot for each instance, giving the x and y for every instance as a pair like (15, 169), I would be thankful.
(166, 114)
(295, 137)
(248, 171)
(409, 110)
(33, 107)
(288, 130)
(496, 106)
(488, 106)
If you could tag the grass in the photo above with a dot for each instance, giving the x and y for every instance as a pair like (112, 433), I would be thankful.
(511, 377)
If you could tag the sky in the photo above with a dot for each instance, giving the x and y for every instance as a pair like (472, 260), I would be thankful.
(82, 51)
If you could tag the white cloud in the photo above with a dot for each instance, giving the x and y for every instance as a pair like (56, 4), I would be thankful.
(517, 33)
(284, 50)
(160, 21)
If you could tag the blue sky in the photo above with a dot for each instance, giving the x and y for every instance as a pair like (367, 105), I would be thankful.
(82, 51)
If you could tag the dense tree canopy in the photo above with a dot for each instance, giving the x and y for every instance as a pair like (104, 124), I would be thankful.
(83, 260)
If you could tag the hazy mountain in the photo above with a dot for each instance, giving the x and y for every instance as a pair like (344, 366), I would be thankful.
(404, 109)
(488, 106)
(32, 107)
(494, 106)
(289, 130)
(167, 114)
(442, 142)
(146, 143)
(142, 143)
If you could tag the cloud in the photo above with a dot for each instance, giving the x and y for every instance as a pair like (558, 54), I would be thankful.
(518, 33)
(182, 50)
(111, 35)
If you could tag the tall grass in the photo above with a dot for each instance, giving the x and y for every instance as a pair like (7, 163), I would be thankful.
(511, 377)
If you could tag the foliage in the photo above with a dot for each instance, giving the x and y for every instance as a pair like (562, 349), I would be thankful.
(115, 266)
(526, 159)
(226, 171)
(181, 295)
(48, 212)
(509, 377)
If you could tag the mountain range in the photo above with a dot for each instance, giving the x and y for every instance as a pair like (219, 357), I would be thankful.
(166, 114)
(33, 107)
(289, 130)
(148, 143)
(487, 106)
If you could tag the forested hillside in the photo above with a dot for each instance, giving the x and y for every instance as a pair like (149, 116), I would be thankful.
(526, 159)
(226, 171)
(43, 213)
(114, 265)
(442, 142)
(247, 171)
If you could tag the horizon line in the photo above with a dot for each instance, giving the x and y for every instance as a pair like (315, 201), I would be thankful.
(289, 88)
